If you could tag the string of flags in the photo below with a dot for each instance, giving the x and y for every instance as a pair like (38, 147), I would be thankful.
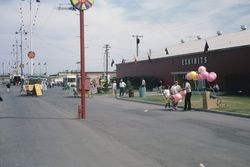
(206, 48)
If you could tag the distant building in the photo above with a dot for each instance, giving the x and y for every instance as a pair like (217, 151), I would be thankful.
(95, 75)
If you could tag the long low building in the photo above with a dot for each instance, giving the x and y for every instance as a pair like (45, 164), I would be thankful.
(228, 56)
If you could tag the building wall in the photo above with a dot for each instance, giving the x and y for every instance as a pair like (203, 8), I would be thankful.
(231, 66)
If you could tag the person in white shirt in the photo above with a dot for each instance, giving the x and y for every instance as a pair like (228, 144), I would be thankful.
(143, 83)
(187, 104)
(122, 86)
(167, 97)
(114, 89)
(175, 89)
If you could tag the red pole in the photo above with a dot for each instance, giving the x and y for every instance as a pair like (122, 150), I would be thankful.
(83, 78)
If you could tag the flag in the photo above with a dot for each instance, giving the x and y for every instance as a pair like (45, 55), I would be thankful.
(112, 63)
(44, 63)
(137, 40)
(39, 64)
(206, 47)
(166, 50)
(123, 60)
(37, 0)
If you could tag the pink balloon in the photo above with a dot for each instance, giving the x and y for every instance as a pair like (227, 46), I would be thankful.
(213, 74)
(202, 69)
(199, 77)
(210, 77)
(177, 97)
(183, 93)
(204, 75)
(188, 76)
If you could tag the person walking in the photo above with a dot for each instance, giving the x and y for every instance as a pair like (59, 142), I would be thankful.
(114, 89)
(1, 99)
(167, 97)
(187, 104)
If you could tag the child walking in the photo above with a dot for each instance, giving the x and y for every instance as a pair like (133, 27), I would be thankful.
(167, 97)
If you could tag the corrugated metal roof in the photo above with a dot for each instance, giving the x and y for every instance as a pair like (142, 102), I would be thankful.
(240, 38)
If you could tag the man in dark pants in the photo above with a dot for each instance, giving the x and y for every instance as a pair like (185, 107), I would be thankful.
(187, 105)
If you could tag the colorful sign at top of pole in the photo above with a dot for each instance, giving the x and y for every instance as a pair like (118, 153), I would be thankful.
(82, 4)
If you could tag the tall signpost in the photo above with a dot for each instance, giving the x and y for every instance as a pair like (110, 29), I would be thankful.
(82, 5)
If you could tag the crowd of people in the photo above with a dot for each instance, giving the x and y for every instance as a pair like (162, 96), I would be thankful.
(172, 94)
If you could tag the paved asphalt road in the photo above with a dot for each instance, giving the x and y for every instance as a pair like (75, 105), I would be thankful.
(44, 132)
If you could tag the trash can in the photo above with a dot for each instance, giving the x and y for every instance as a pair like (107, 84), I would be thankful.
(130, 93)
(142, 91)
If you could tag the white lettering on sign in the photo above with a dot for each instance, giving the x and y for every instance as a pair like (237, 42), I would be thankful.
(193, 61)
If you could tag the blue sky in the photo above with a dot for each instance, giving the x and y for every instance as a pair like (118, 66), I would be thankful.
(161, 22)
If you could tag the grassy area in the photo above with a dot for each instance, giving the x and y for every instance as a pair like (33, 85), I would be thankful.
(238, 104)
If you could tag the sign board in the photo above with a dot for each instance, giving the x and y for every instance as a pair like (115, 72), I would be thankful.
(38, 90)
(82, 4)
(31, 55)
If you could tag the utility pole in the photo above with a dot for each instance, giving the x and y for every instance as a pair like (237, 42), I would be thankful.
(30, 40)
(21, 65)
(17, 71)
(107, 47)
(21, 31)
(30, 35)
(3, 67)
(137, 37)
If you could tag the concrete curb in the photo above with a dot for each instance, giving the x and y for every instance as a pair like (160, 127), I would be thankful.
(211, 111)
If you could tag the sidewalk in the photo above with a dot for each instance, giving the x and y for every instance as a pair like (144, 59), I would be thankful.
(136, 94)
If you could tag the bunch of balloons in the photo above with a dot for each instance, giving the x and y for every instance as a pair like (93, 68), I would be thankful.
(201, 75)
(178, 96)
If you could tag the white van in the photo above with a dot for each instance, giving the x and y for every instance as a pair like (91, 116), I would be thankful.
(70, 80)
